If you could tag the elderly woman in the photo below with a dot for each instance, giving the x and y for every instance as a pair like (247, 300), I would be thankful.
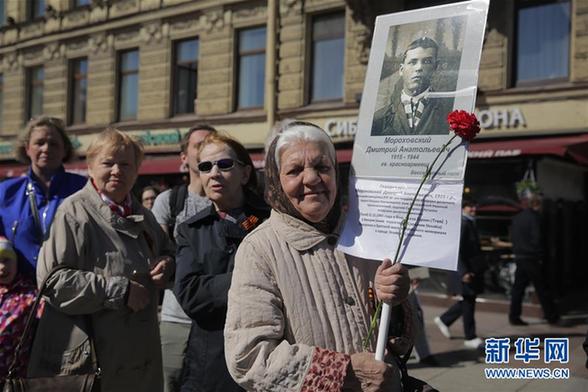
(28, 203)
(298, 308)
(117, 258)
(206, 246)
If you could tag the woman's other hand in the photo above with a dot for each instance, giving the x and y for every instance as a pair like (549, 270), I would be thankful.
(138, 296)
(391, 282)
(162, 272)
(368, 375)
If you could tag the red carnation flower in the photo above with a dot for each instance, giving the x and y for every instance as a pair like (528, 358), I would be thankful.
(464, 124)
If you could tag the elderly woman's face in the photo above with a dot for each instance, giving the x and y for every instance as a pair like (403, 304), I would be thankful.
(114, 172)
(45, 149)
(222, 184)
(307, 176)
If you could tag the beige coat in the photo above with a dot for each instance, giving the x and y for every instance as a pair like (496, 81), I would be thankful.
(104, 251)
(292, 291)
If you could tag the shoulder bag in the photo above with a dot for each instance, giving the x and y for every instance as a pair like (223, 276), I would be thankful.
(63, 383)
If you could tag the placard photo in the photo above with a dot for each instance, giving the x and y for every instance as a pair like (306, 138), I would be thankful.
(422, 66)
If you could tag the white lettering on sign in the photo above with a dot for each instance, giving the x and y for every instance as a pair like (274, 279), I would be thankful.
(341, 128)
(501, 118)
(494, 153)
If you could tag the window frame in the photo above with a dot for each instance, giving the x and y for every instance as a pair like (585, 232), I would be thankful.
(74, 78)
(175, 66)
(309, 67)
(35, 13)
(514, 83)
(73, 4)
(238, 55)
(30, 87)
(120, 74)
(3, 13)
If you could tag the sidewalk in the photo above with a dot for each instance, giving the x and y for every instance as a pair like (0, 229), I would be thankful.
(463, 369)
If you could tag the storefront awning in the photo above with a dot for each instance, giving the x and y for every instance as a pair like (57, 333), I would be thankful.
(573, 147)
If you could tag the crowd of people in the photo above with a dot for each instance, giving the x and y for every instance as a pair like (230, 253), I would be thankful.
(256, 295)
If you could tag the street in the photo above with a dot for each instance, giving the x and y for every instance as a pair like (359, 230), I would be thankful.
(462, 369)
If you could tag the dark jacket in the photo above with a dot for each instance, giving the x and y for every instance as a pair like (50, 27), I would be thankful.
(206, 246)
(391, 120)
(526, 235)
(470, 260)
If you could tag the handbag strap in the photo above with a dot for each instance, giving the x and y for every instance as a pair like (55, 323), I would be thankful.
(34, 209)
(29, 323)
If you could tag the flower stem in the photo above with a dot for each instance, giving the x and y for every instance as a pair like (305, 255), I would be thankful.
(404, 224)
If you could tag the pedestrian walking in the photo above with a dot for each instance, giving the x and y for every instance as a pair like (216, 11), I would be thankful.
(467, 281)
(527, 245)
(171, 208)
(116, 259)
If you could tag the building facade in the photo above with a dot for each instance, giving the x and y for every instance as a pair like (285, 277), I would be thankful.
(155, 67)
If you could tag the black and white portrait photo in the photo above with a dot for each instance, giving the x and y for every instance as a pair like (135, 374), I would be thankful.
(419, 75)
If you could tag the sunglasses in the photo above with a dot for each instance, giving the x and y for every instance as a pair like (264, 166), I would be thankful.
(224, 164)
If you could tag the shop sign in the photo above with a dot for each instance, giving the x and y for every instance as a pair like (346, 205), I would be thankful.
(341, 129)
(501, 118)
(149, 138)
(490, 153)
(6, 149)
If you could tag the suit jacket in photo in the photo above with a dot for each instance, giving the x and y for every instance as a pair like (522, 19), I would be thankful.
(392, 120)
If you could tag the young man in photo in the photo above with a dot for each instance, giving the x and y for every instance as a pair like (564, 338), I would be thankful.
(411, 110)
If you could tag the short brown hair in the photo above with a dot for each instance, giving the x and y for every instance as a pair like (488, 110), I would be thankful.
(198, 127)
(114, 138)
(54, 123)
(239, 150)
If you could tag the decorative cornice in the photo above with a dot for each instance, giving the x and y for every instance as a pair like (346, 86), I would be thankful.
(101, 43)
(33, 55)
(53, 51)
(215, 19)
(12, 61)
(288, 7)
(153, 33)
(255, 12)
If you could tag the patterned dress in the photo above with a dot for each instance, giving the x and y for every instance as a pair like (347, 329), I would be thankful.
(16, 301)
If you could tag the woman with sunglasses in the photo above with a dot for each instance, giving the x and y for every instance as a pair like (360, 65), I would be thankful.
(206, 246)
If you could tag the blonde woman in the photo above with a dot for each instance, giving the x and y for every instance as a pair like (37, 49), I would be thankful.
(117, 258)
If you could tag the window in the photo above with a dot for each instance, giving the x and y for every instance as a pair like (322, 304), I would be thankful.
(80, 3)
(36, 9)
(34, 80)
(2, 12)
(185, 76)
(251, 68)
(128, 85)
(543, 45)
(328, 46)
(78, 90)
